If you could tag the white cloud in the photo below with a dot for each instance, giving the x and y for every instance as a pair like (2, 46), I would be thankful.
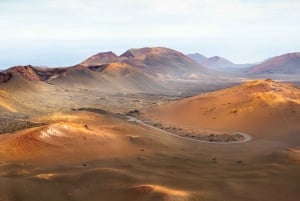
(232, 9)
(239, 22)
(176, 7)
(116, 18)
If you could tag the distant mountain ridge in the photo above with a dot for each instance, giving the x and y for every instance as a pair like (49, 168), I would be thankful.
(214, 62)
(283, 64)
(140, 70)
(134, 71)
(156, 61)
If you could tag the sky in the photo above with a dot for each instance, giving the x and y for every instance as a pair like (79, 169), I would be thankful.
(65, 32)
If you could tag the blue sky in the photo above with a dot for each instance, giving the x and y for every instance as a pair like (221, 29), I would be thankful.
(64, 32)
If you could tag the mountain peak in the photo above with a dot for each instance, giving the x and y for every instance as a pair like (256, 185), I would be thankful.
(127, 54)
(136, 52)
(100, 59)
(216, 58)
(27, 72)
(217, 62)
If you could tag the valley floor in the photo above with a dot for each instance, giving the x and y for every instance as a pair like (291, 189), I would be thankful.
(82, 147)
(156, 167)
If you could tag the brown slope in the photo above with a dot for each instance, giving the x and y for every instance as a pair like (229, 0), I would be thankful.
(284, 64)
(6, 102)
(127, 77)
(109, 78)
(27, 88)
(259, 108)
(134, 81)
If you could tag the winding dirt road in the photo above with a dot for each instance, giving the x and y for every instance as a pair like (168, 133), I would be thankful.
(133, 119)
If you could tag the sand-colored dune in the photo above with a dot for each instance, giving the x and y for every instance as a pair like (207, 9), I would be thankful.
(83, 155)
(260, 108)
(294, 153)
(73, 137)
(159, 193)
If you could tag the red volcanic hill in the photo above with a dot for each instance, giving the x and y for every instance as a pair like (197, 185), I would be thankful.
(112, 78)
(284, 64)
(155, 62)
(258, 107)
(163, 62)
(158, 62)
(5, 77)
(27, 72)
(137, 70)
(30, 73)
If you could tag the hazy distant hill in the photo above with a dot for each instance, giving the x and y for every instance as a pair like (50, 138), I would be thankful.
(217, 62)
(197, 57)
(284, 64)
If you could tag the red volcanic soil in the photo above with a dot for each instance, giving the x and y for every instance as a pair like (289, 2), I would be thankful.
(31, 73)
(27, 72)
(5, 77)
